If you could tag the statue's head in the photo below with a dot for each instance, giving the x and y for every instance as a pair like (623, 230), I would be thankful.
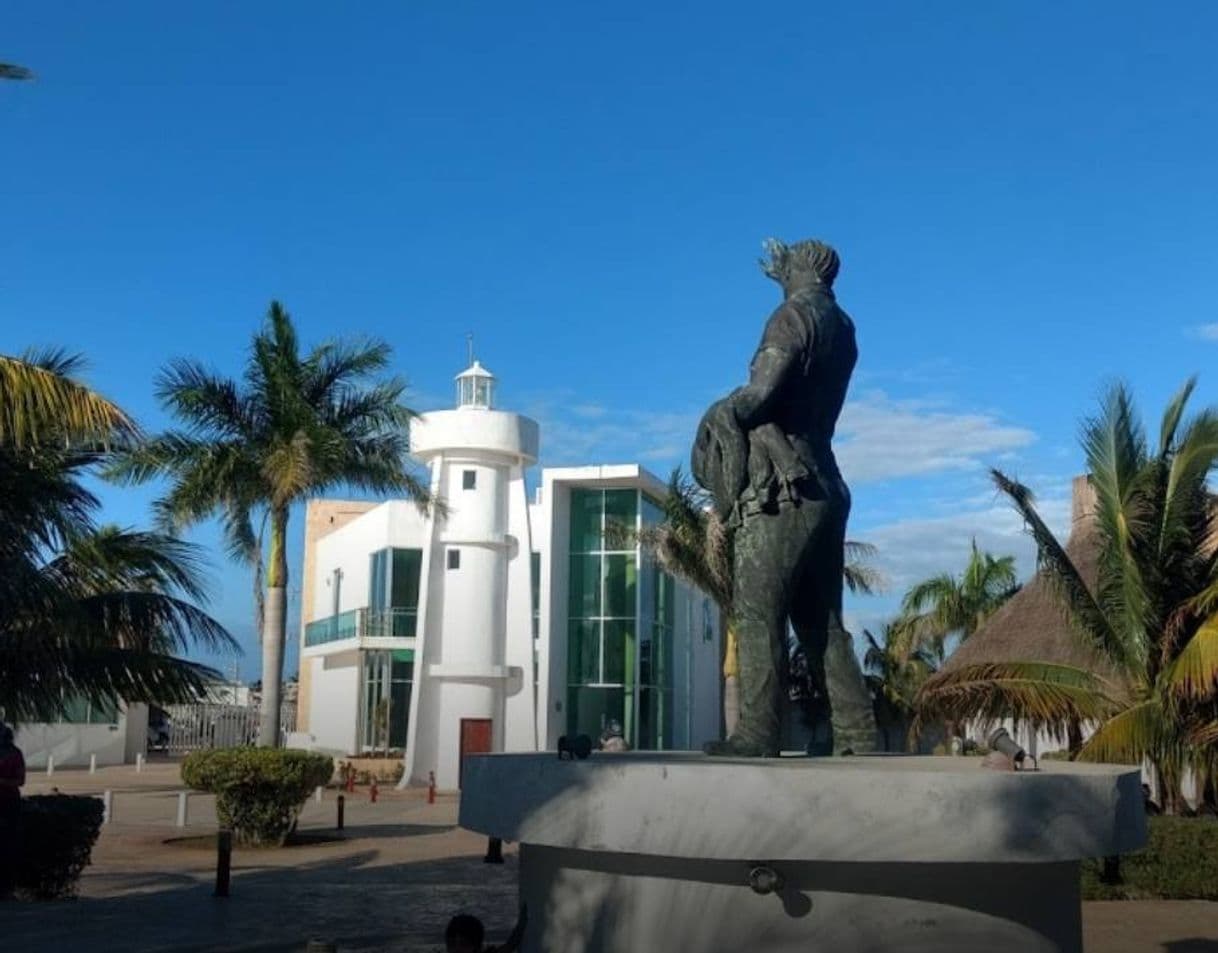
(802, 265)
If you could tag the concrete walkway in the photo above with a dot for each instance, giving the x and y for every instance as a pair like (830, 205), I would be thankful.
(399, 870)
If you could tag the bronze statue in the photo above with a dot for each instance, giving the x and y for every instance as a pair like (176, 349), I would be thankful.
(765, 454)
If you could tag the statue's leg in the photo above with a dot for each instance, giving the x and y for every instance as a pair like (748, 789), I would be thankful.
(759, 621)
(816, 613)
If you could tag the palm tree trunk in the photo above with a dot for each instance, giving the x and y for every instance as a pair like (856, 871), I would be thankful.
(731, 679)
(731, 704)
(274, 630)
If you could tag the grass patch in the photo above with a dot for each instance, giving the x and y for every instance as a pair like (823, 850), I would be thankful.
(1179, 862)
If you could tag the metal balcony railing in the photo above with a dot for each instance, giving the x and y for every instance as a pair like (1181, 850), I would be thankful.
(362, 623)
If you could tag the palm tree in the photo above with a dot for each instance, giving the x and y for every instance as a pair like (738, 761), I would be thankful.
(1152, 619)
(294, 426)
(85, 612)
(894, 677)
(944, 606)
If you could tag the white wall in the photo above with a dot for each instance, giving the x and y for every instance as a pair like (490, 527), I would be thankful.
(554, 534)
(115, 743)
(334, 711)
(696, 669)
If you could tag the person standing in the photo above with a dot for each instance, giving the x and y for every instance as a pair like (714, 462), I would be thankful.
(12, 778)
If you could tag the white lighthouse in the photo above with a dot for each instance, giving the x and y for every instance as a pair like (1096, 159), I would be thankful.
(474, 655)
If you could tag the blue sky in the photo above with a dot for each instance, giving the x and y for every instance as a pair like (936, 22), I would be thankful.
(1023, 198)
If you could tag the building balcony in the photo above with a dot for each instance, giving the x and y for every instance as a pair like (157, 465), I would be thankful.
(359, 625)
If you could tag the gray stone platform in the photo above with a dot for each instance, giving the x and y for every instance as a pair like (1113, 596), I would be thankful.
(656, 851)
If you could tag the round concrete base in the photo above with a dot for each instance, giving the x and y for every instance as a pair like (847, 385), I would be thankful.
(644, 852)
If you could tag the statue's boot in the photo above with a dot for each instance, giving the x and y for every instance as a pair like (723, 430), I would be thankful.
(853, 717)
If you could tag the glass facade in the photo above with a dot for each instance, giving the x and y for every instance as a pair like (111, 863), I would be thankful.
(388, 682)
(393, 592)
(619, 627)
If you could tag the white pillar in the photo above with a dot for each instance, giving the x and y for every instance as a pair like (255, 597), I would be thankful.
(139, 763)
(93, 764)
(107, 806)
(317, 794)
(50, 765)
(183, 801)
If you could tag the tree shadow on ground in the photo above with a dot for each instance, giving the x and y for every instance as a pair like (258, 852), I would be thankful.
(355, 902)
(1191, 945)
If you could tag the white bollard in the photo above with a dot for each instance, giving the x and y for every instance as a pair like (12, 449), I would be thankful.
(107, 806)
(139, 763)
(93, 764)
(317, 794)
(50, 765)
(183, 798)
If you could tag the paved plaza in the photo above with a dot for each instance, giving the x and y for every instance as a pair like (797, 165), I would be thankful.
(390, 881)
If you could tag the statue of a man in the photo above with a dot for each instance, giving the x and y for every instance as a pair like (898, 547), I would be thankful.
(765, 454)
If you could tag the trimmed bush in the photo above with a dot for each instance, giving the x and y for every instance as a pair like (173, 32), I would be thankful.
(1179, 862)
(259, 791)
(55, 841)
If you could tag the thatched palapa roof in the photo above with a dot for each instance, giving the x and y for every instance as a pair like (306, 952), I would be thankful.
(1034, 625)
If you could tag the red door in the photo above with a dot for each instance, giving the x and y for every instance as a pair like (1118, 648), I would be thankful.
(475, 739)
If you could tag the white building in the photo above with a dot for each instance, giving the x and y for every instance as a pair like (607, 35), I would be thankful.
(500, 624)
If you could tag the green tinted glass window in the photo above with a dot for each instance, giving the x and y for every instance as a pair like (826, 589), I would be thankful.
(378, 572)
(584, 592)
(621, 508)
(407, 568)
(586, 520)
(621, 580)
(589, 710)
(619, 652)
(665, 594)
(583, 652)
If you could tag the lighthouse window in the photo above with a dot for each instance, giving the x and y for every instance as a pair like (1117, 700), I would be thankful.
(454, 559)
(469, 479)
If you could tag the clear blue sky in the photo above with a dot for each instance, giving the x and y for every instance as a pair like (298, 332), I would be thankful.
(1024, 199)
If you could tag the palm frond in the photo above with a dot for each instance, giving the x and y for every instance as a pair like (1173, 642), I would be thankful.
(211, 404)
(1040, 693)
(41, 402)
(1172, 415)
(1114, 443)
(1139, 731)
(12, 71)
(1083, 608)
(111, 558)
(1193, 673)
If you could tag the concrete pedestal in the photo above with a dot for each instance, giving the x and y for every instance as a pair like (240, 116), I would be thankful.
(641, 852)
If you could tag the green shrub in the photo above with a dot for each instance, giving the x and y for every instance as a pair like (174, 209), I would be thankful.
(259, 791)
(55, 840)
(1179, 862)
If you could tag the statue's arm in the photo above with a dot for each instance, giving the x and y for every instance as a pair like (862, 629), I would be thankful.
(753, 402)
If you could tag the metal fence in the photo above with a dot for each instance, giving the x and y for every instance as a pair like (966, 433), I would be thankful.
(205, 725)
